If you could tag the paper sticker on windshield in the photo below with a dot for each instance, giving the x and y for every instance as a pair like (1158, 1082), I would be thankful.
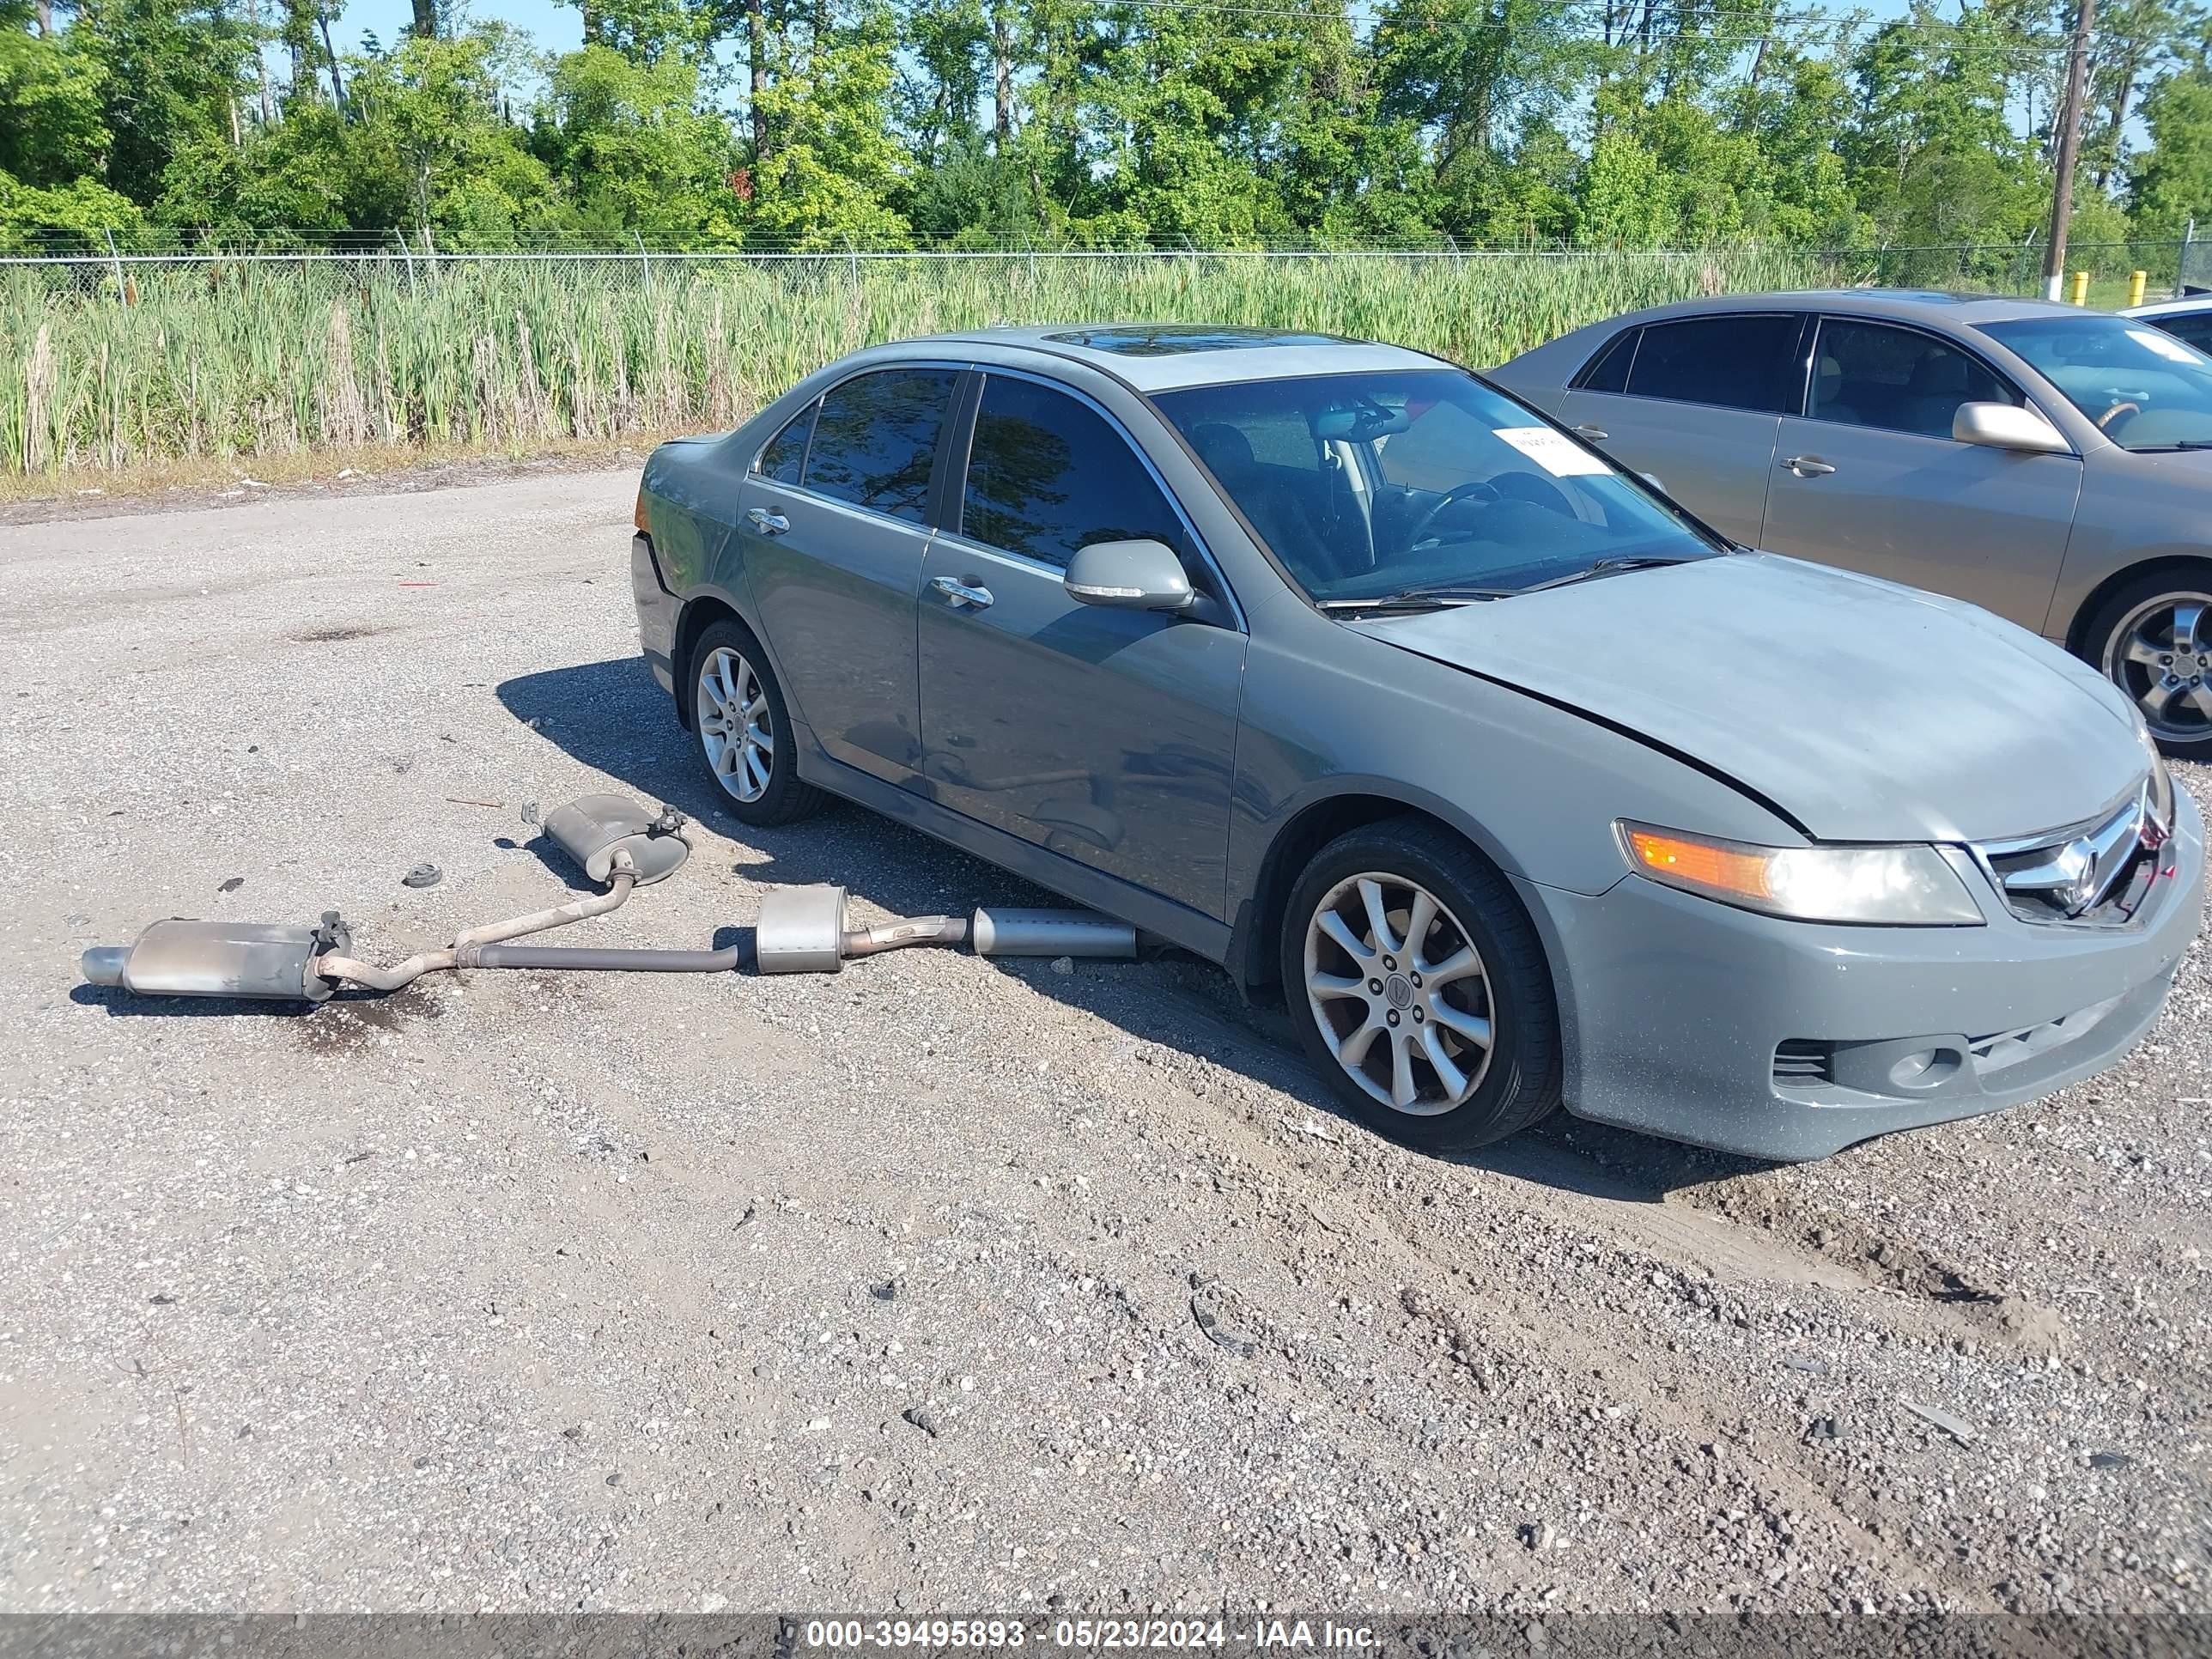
(1556, 453)
(2164, 345)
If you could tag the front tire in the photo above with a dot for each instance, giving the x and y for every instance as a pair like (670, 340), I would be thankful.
(1419, 988)
(2153, 639)
(744, 729)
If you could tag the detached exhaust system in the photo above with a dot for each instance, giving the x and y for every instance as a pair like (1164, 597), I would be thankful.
(801, 930)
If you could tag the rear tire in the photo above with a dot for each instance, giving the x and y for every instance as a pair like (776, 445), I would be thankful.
(1419, 988)
(2153, 639)
(744, 728)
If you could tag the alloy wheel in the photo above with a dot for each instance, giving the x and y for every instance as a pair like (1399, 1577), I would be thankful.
(730, 709)
(2162, 655)
(1400, 992)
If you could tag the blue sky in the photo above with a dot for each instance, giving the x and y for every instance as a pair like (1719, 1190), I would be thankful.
(555, 28)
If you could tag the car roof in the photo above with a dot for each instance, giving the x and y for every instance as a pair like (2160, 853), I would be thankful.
(1166, 357)
(2171, 307)
(1932, 305)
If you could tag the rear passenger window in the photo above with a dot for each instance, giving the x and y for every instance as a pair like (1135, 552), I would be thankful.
(1047, 475)
(1608, 370)
(783, 454)
(875, 440)
(1897, 379)
(1732, 363)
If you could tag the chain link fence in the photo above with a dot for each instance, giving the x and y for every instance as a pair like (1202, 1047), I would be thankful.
(117, 352)
(114, 265)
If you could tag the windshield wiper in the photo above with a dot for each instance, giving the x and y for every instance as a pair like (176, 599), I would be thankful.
(1418, 598)
(1604, 568)
(1456, 593)
(2184, 443)
(1452, 593)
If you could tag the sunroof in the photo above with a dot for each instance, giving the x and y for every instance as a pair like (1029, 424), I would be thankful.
(1169, 339)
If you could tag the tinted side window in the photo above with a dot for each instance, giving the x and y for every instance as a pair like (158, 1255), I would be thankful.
(1046, 476)
(1735, 362)
(875, 439)
(782, 455)
(1867, 374)
(1608, 370)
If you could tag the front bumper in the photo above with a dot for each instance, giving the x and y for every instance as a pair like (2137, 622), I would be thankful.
(1673, 1008)
(656, 611)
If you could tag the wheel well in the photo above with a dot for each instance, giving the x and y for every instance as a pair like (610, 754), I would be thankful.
(697, 617)
(1259, 930)
(2086, 612)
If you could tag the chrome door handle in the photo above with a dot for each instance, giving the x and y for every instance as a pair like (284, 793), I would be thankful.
(959, 592)
(1806, 467)
(1596, 435)
(767, 522)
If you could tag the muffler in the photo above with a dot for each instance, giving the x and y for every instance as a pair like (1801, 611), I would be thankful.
(179, 958)
(801, 930)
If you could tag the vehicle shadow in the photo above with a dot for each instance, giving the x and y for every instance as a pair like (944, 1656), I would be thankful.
(612, 717)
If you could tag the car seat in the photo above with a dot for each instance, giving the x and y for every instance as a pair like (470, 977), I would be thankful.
(1271, 498)
(1828, 394)
(1941, 381)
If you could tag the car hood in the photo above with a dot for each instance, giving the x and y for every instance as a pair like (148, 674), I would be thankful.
(1863, 710)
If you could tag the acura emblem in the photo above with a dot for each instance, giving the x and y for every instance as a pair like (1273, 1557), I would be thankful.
(2075, 876)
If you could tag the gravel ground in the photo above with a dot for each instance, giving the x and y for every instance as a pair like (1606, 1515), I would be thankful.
(941, 1284)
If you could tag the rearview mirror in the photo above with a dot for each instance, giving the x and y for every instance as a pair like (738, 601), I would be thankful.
(2008, 426)
(1142, 575)
(1654, 480)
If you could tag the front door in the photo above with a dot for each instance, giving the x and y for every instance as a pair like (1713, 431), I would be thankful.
(1106, 735)
(1872, 480)
(832, 539)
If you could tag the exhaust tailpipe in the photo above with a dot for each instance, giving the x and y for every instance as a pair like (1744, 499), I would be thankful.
(800, 930)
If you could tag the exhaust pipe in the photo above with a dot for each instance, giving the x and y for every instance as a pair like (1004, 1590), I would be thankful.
(800, 930)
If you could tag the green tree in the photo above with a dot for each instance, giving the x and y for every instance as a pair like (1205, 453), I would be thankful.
(437, 104)
(633, 152)
(171, 75)
(2170, 184)
(827, 165)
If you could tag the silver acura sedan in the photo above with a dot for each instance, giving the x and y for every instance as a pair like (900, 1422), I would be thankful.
(2052, 464)
(1334, 664)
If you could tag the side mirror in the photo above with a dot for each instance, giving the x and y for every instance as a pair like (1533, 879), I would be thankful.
(2008, 426)
(1142, 575)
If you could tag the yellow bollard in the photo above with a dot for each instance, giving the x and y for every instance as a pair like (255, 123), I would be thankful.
(2135, 281)
(2080, 294)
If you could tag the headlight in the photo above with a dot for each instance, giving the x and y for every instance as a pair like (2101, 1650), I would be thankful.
(1903, 886)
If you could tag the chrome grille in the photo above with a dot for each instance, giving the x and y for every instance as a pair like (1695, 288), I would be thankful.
(2093, 874)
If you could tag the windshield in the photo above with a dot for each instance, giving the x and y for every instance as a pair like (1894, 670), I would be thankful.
(2143, 388)
(1367, 485)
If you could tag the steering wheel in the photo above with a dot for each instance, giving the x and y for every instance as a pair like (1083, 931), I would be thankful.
(1474, 490)
(2106, 420)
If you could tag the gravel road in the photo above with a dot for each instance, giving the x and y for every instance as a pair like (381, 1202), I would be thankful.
(941, 1284)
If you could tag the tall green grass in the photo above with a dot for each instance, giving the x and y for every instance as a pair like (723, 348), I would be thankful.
(245, 360)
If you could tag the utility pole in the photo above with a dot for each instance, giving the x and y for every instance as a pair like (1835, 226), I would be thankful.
(2069, 141)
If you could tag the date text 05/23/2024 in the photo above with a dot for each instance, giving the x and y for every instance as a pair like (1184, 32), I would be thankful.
(1086, 1635)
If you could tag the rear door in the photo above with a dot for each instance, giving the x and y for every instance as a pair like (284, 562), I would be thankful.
(1107, 735)
(832, 530)
(1697, 402)
(1871, 478)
